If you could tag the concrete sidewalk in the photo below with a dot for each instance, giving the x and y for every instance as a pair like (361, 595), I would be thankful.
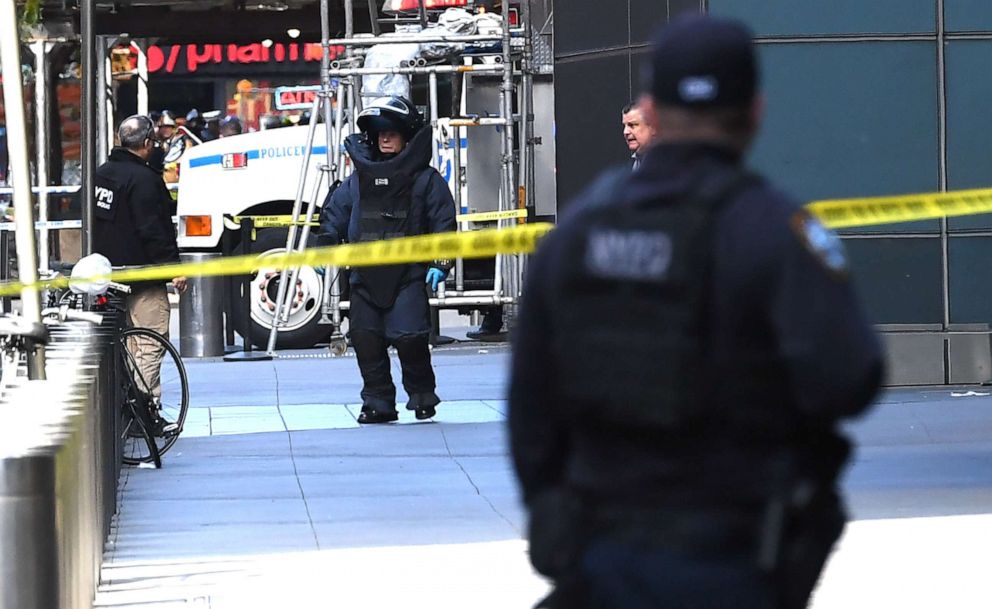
(276, 498)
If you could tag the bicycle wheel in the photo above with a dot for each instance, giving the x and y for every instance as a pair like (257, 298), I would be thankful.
(162, 390)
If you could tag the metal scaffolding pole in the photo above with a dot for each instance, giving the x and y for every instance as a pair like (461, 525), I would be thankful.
(489, 69)
(142, 48)
(20, 164)
(40, 50)
(105, 104)
(515, 176)
(348, 41)
(87, 18)
(505, 266)
(291, 240)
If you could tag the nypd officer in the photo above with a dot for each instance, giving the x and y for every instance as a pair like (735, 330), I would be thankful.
(682, 450)
(132, 226)
(394, 192)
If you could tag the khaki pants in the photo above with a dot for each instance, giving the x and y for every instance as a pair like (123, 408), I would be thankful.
(148, 307)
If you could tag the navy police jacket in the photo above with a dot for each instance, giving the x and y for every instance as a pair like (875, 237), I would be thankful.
(132, 221)
(778, 288)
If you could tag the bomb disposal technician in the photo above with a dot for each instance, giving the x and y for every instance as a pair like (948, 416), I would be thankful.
(394, 192)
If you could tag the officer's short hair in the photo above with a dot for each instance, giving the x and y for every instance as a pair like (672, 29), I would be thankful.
(628, 107)
(135, 130)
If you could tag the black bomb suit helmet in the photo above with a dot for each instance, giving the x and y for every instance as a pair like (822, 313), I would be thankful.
(390, 114)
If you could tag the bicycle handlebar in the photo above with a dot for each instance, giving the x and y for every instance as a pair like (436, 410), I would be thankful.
(119, 287)
(64, 313)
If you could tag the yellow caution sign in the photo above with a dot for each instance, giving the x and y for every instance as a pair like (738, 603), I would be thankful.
(423, 248)
(848, 213)
(492, 216)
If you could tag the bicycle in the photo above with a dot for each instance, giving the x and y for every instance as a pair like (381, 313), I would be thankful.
(154, 401)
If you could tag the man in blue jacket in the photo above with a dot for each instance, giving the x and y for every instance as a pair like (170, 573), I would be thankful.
(394, 192)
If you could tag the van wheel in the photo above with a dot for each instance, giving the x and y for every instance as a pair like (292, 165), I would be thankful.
(302, 331)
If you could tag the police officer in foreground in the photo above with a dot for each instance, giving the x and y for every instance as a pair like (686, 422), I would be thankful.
(688, 341)
(132, 226)
(394, 192)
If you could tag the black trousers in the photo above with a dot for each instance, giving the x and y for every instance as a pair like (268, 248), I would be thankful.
(406, 326)
(625, 576)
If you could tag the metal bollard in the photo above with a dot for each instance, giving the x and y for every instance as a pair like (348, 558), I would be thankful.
(201, 308)
(29, 568)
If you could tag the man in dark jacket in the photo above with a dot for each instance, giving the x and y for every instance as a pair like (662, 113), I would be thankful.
(132, 227)
(394, 192)
(688, 341)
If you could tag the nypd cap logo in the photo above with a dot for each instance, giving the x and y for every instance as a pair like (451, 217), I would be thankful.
(696, 89)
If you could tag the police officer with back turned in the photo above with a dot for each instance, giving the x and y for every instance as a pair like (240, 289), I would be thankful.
(688, 341)
(132, 226)
(394, 192)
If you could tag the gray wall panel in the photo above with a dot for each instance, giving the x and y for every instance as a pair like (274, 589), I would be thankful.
(971, 291)
(589, 134)
(833, 131)
(647, 15)
(899, 280)
(807, 17)
(969, 122)
(968, 15)
(584, 25)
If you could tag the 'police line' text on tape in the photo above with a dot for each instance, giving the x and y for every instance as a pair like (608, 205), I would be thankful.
(490, 216)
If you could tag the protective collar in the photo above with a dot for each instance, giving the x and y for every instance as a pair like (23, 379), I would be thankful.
(413, 158)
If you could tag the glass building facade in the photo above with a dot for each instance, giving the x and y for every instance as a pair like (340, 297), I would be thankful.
(863, 98)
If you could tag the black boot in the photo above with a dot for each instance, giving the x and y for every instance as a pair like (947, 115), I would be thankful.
(423, 405)
(418, 375)
(378, 391)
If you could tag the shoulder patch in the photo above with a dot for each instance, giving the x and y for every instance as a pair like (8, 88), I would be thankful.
(820, 241)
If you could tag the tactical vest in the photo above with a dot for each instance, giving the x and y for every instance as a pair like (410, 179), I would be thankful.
(632, 342)
(386, 198)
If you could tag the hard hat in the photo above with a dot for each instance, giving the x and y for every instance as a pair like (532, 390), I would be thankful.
(390, 114)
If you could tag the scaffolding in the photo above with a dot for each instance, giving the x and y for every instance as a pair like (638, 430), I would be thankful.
(509, 56)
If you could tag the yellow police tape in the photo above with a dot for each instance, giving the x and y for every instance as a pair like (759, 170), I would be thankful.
(490, 216)
(475, 244)
(848, 213)
(839, 213)
(276, 221)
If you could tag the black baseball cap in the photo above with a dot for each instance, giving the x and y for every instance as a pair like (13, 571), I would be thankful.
(701, 61)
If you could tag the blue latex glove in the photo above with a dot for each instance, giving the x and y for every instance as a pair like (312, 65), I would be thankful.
(434, 277)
